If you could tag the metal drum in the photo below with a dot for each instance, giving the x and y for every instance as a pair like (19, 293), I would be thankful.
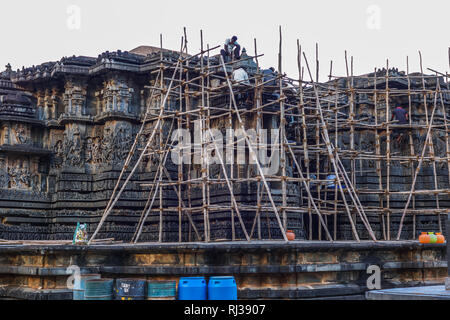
(192, 289)
(161, 290)
(130, 289)
(222, 288)
(79, 285)
(100, 289)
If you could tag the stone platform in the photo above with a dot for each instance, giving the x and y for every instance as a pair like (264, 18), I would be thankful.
(263, 270)
(418, 293)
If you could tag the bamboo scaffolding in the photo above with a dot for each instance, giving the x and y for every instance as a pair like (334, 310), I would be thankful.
(205, 97)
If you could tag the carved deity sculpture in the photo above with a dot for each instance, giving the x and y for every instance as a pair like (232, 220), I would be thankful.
(19, 175)
(50, 104)
(58, 154)
(123, 142)
(73, 155)
(89, 150)
(96, 150)
(20, 134)
(107, 146)
(72, 148)
(35, 182)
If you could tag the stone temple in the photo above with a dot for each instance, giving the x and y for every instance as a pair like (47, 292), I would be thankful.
(66, 129)
(90, 140)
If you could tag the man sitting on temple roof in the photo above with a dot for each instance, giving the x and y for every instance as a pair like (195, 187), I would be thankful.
(270, 76)
(232, 50)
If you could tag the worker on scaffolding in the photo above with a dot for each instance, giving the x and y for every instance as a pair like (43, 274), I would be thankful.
(270, 79)
(240, 76)
(231, 50)
(402, 116)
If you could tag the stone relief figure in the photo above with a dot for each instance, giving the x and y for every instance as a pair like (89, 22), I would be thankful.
(20, 134)
(143, 139)
(35, 182)
(19, 175)
(89, 149)
(74, 154)
(114, 147)
(122, 142)
(4, 176)
(73, 148)
(58, 154)
(107, 146)
(96, 151)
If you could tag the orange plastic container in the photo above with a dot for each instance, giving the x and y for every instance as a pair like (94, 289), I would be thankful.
(440, 238)
(290, 235)
(424, 238)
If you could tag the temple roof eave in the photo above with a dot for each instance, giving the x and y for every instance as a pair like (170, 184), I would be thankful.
(25, 150)
(32, 121)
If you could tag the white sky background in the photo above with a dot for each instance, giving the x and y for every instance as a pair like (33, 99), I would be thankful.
(34, 32)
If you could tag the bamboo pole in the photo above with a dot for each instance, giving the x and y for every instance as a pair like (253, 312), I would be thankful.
(259, 102)
(411, 142)
(106, 214)
(252, 152)
(322, 222)
(160, 145)
(378, 160)
(419, 167)
(282, 135)
(431, 144)
(330, 151)
(305, 136)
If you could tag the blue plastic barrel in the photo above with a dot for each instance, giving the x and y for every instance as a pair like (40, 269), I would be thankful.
(100, 289)
(222, 288)
(130, 289)
(192, 289)
(161, 290)
(79, 285)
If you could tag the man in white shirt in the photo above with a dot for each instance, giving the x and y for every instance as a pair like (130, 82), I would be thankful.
(243, 97)
(231, 50)
(241, 76)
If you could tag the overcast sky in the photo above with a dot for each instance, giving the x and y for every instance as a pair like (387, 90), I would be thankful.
(34, 32)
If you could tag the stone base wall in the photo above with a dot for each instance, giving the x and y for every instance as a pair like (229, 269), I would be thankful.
(266, 270)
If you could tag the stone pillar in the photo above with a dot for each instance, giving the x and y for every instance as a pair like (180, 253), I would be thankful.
(41, 104)
(53, 112)
(35, 178)
(47, 104)
(4, 134)
(99, 103)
